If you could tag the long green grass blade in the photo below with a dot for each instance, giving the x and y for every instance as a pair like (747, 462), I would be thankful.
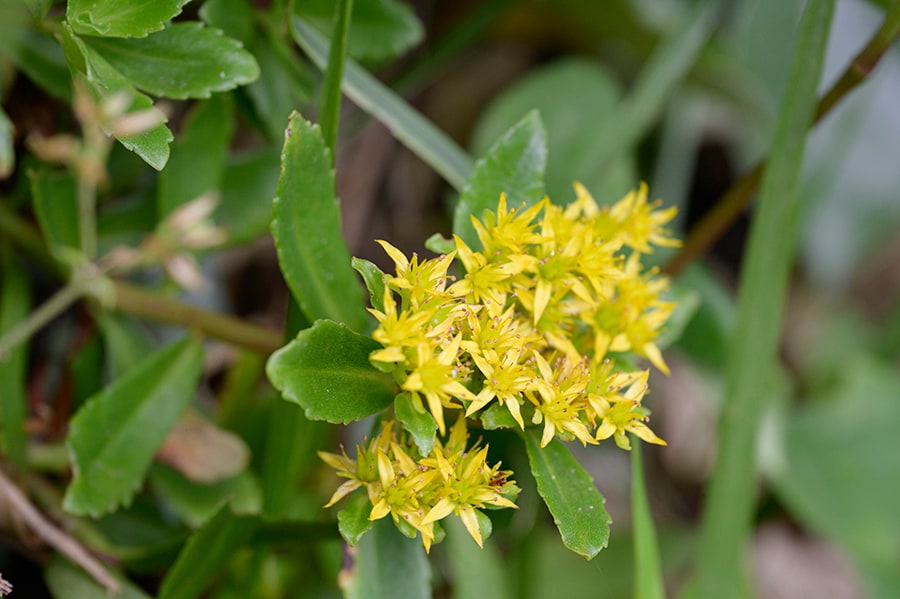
(648, 578)
(752, 358)
(330, 106)
(411, 128)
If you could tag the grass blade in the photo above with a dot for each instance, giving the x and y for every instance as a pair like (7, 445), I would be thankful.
(764, 277)
(330, 106)
(648, 578)
(412, 129)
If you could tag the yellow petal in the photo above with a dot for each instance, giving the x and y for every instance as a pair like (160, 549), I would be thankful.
(470, 520)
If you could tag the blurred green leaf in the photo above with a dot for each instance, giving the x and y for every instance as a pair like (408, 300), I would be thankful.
(374, 279)
(249, 183)
(708, 332)
(417, 421)
(326, 370)
(207, 554)
(7, 153)
(185, 60)
(412, 129)
(153, 145)
(42, 60)
(478, 573)
(515, 166)
(379, 29)
(196, 503)
(306, 226)
(389, 566)
(574, 97)
(69, 582)
(648, 578)
(687, 302)
(233, 17)
(56, 207)
(15, 303)
(197, 160)
(126, 343)
(121, 18)
(353, 519)
(839, 450)
(112, 439)
(574, 502)
(282, 85)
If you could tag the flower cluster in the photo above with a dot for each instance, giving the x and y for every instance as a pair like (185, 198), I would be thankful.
(417, 493)
(535, 323)
(535, 327)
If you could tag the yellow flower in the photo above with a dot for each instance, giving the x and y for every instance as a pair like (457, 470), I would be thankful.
(437, 378)
(641, 223)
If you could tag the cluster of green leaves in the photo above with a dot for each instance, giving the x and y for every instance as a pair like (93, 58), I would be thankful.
(126, 472)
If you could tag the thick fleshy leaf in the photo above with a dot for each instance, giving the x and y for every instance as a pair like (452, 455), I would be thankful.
(839, 449)
(112, 439)
(514, 166)
(307, 230)
(121, 18)
(417, 421)
(152, 145)
(374, 279)
(197, 162)
(15, 303)
(379, 29)
(56, 206)
(184, 60)
(573, 97)
(388, 566)
(353, 519)
(569, 492)
(326, 370)
(69, 582)
(206, 554)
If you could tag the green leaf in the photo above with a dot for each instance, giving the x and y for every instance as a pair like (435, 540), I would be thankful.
(233, 17)
(706, 335)
(839, 448)
(153, 145)
(374, 279)
(497, 416)
(478, 573)
(379, 30)
(112, 439)
(56, 207)
(125, 342)
(565, 93)
(687, 301)
(7, 153)
(330, 96)
(197, 162)
(15, 303)
(207, 554)
(197, 503)
(248, 185)
(69, 582)
(121, 18)
(648, 577)
(570, 495)
(417, 421)
(307, 230)
(412, 129)
(42, 60)
(353, 519)
(753, 354)
(514, 166)
(185, 60)
(326, 370)
(389, 566)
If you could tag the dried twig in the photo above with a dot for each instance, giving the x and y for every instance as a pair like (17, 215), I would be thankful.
(53, 536)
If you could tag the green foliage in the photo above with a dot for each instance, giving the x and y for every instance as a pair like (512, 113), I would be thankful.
(569, 492)
(117, 114)
(113, 438)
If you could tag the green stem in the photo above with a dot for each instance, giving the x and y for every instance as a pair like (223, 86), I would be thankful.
(158, 307)
(46, 312)
(87, 217)
(648, 577)
(330, 106)
(728, 509)
(731, 205)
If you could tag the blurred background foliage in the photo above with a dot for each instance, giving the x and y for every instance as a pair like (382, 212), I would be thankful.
(690, 122)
